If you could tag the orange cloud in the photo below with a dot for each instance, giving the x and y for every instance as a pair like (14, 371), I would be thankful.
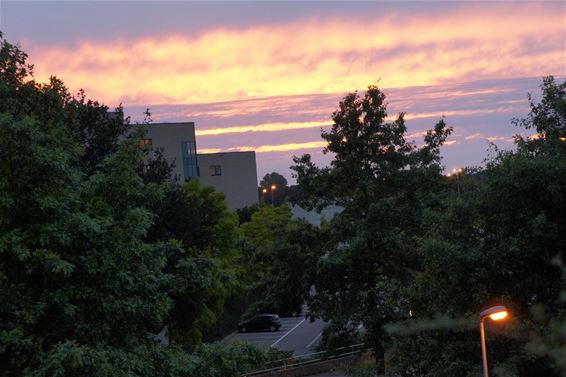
(278, 126)
(269, 148)
(315, 56)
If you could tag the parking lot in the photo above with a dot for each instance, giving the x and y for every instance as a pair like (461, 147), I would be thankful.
(296, 334)
(266, 338)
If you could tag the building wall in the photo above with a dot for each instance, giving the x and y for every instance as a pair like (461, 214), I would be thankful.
(179, 145)
(233, 173)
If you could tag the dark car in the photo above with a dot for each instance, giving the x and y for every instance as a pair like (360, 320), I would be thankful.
(261, 322)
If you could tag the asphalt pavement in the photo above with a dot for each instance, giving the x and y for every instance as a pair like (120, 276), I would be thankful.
(296, 334)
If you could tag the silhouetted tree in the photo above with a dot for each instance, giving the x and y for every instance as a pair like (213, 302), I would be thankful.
(382, 181)
(279, 194)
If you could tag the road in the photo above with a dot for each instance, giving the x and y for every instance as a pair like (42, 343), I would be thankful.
(296, 334)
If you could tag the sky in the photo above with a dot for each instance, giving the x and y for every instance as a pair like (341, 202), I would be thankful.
(267, 75)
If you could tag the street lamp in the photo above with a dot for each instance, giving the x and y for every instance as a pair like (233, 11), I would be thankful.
(273, 187)
(264, 191)
(496, 313)
(457, 173)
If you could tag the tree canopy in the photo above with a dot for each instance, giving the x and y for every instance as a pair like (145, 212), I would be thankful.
(411, 254)
(97, 253)
(382, 181)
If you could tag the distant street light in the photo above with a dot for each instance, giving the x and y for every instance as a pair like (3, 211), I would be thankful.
(264, 191)
(496, 313)
(273, 187)
(457, 173)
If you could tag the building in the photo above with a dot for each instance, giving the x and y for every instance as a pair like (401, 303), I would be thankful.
(179, 145)
(233, 173)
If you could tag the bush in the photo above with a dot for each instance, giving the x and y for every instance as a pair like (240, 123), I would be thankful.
(366, 369)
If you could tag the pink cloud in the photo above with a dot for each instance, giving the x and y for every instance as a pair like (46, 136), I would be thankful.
(314, 56)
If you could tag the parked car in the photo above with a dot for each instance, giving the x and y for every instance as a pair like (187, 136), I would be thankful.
(261, 322)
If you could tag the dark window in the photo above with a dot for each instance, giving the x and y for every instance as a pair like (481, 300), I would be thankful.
(215, 170)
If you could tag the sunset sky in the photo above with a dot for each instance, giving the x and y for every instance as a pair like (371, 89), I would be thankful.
(266, 76)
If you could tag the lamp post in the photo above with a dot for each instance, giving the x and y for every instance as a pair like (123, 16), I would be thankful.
(273, 187)
(264, 191)
(496, 313)
(457, 172)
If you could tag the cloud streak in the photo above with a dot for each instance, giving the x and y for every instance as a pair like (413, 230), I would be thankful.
(270, 148)
(266, 127)
(314, 55)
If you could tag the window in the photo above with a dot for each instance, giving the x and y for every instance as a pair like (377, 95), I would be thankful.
(189, 153)
(145, 143)
(215, 170)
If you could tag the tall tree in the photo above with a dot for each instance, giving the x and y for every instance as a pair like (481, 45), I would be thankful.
(382, 181)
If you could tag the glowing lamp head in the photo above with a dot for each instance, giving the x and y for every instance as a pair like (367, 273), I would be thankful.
(497, 316)
(264, 190)
(273, 187)
(496, 313)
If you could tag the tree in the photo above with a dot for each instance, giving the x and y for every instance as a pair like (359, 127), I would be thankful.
(156, 169)
(98, 130)
(205, 262)
(278, 194)
(383, 182)
(245, 213)
(288, 266)
(499, 240)
(75, 280)
(273, 179)
(81, 291)
(266, 221)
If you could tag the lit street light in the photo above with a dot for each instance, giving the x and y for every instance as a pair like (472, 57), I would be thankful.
(264, 191)
(496, 313)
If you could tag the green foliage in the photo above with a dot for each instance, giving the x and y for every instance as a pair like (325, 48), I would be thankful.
(549, 338)
(205, 261)
(86, 280)
(365, 369)
(498, 239)
(245, 213)
(266, 222)
(218, 360)
(383, 182)
(98, 130)
(77, 286)
(288, 267)
(156, 169)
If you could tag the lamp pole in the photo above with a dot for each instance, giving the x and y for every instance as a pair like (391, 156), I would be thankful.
(457, 172)
(273, 187)
(496, 313)
(483, 351)
(264, 191)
